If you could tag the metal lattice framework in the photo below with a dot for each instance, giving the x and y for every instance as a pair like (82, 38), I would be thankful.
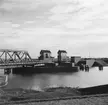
(13, 56)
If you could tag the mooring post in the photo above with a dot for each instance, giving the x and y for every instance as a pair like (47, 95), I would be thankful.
(73, 64)
(81, 67)
(7, 71)
(86, 68)
(100, 67)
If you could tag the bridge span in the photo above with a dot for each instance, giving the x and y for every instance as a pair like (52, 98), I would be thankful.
(19, 58)
(14, 58)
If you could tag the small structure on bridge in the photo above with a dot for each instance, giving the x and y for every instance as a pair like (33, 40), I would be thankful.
(62, 56)
(45, 57)
(44, 54)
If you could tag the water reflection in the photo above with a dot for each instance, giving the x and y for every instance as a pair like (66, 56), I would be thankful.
(78, 79)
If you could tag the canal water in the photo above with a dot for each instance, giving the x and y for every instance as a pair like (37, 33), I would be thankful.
(77, 79)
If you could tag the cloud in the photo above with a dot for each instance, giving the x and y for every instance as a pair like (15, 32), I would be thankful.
(65, 24)
(12, 5)
(15, 25)
(83, 13)
(19, 11)
(29, 22)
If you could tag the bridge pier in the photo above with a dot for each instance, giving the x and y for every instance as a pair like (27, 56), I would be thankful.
(81, 67)
(100, 67)
(86, 68)
(7, 71)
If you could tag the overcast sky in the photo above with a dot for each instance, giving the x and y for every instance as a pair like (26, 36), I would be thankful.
(78, 26)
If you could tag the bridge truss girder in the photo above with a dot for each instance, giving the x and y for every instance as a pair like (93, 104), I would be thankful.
(7, 56)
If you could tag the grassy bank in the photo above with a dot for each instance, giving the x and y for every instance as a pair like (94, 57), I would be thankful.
(12, 96)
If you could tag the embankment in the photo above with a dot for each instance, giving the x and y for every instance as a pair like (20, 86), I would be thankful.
(17, 96)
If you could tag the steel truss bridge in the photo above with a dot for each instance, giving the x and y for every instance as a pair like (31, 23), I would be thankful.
(20, 58)
(15, 58)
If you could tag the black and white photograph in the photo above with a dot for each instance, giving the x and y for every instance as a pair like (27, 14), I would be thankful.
(53, 52)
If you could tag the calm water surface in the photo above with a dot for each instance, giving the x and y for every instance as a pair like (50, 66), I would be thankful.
(78, 79)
